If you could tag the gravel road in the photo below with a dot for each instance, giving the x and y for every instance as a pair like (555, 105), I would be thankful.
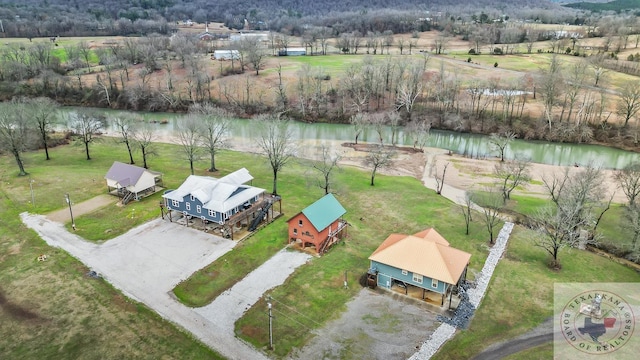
(148, 261)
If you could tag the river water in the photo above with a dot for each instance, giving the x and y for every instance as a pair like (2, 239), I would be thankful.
(243, 133)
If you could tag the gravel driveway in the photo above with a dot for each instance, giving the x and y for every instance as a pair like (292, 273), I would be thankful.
(148, 261)
(376, 325)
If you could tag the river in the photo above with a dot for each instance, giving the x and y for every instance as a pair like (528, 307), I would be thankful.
(244, 131)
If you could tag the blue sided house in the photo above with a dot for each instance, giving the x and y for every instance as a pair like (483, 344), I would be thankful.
(212, 200)
(419, 265)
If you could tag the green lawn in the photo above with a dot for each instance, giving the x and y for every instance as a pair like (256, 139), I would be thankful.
(520, 295)
(393, 205)
(51, 309)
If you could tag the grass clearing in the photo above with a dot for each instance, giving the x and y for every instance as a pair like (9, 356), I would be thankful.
(520, 295)
(50, 309)
(393, 205)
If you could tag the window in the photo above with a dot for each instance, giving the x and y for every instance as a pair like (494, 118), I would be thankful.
(174, 203)
(212, 213)
(192, 198)
(404, 272)
(434, 283)
(188, 205)
(198, 209)
(295, 231)
(417, 278)
(300, 222)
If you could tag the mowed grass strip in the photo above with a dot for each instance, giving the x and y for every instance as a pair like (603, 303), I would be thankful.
(51, 309)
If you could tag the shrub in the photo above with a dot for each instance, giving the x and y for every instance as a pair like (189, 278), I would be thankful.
(497, 51)
(495, 64)
(472, 51)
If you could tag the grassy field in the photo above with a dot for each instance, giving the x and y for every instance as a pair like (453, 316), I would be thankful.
(520, 295)
(394, 205)
(38, 294)
(51, 309)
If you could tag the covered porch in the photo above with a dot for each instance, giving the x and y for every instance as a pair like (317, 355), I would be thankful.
(448, 299)
(238, 226)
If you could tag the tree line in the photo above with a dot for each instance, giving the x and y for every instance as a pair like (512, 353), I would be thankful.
(34, 18)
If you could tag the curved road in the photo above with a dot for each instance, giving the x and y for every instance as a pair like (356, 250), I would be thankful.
(514, 347)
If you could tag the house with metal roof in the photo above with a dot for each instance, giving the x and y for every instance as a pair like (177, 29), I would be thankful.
(214, 200)
(320, 225)
(131, 182)
(424, 262)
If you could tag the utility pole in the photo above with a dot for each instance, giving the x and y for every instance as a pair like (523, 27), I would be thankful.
(73, 223)
(33, 199)
(346, 285)
(270, 325)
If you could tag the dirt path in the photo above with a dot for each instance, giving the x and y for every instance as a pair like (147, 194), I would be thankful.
(85, 207)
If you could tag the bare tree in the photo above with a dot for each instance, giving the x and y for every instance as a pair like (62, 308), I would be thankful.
(597, 63)
(276, 143)
(394, 119)
(419, 132)
(86, 125)
(401, 42)
(629, 102)
(325, 166)
(511, 174)
(126, 126)
(491, 203)
(378, 158)
(466, 207)
(632, 215)
(359, 121)
(557, 230)
(44, 112)
(628, 180)
(440, 43)
(575, 196)
(499, 142)
(253, 53)
(84, 49)
(550, 82)
(14, 131)
(144, 137)
(188, 137)
(439, 177)
(215, 129)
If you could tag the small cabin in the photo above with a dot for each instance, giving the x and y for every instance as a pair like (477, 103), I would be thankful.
(318, 226)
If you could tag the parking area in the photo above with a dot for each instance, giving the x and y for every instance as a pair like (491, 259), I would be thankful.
(158, 255)
(377, 324)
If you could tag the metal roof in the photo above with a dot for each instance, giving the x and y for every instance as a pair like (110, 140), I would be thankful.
(220, 195)
(426, 253)
(324, 212)
(124, 174)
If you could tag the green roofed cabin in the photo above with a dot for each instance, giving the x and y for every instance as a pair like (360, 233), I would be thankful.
(319, 225)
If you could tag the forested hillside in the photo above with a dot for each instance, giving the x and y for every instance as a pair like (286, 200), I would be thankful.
(125, 17)
(616, 5)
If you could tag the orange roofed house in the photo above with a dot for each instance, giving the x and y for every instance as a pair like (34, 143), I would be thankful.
(423, 261)
(319, 225)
